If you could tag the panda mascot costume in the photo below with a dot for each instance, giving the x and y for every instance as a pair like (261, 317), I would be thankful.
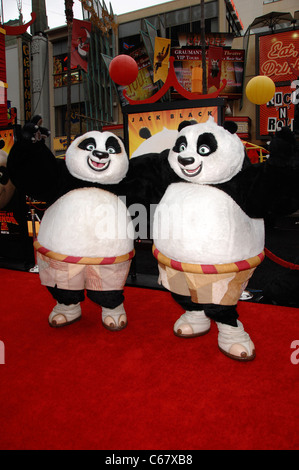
(85, 240)
(208, 227)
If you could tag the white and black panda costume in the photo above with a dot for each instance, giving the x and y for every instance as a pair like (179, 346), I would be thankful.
(85, 241)
(208, 227)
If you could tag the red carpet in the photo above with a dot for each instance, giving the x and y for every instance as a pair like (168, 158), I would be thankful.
(83, 387)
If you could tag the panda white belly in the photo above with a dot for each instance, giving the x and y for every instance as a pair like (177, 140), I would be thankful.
(87, 222)
(202, 224)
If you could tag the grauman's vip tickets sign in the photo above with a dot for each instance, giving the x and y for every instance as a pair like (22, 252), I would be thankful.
(279, 60)
(222, 64)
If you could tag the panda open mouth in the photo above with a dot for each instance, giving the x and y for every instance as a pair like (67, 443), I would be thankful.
(97, 165)
(193, 172)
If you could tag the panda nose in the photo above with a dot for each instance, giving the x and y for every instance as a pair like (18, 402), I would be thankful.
(186, 161)
(98, 154)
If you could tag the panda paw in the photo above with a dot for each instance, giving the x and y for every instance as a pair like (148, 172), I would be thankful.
(284, 150)
(33, 131)
(286, 134)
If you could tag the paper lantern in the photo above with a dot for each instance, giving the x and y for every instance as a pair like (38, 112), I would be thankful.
(260, 89)
(123, 69)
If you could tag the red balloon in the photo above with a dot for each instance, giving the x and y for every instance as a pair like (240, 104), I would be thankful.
(123, 69)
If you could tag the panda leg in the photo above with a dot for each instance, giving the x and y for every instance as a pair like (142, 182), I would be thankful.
(233, 341)
(68, 308)
(193, 322)
(114, 316)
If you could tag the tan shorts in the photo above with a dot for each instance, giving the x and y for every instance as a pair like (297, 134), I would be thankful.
(73, 276)
(220, 288)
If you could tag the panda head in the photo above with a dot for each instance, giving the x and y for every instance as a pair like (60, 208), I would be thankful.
(206, 153)
(98, 157)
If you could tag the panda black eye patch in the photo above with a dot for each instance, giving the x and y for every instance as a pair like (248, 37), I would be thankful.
(181, 140)
(207, 139)
(113, 142)
(84, 144)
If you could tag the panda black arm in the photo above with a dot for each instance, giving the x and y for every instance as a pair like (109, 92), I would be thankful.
(279, 175)
(272, 186)
(284, 150)
(33, 169)
(148, 178)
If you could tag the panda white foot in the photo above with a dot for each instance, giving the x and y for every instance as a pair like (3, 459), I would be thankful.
(192, 324)
(235, 343)
(63, 315)
(114, 319)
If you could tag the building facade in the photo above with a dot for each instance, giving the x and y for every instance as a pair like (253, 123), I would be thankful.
(96, 101)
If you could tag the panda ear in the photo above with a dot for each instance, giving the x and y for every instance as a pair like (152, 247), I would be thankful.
(145, 133)
(185, 124)
(230, 126)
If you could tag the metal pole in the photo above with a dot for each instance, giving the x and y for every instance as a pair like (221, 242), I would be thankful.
(203, 48)
(1, 12)
(69, 20)
(33, 222)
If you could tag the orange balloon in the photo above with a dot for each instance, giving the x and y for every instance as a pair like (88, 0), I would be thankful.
(260, 89)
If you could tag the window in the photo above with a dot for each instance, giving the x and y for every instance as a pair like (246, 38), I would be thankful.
(78, 124)
(60, 72)
(232, 27)
(194, 27)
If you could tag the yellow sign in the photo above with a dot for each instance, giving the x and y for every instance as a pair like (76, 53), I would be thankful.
(7, 136)
(161, 59)
(159, 122)
(60, 143)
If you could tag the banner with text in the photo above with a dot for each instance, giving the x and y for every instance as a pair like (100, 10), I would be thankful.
(279, 60)
(143, 87)
(222, 64)
(161, 58)
(160, 127)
